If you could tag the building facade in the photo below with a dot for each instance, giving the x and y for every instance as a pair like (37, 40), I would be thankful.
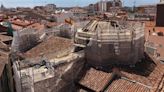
(103, 6)
(160, 14)
(106, 5)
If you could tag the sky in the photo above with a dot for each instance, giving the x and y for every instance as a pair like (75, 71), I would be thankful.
(67, 3)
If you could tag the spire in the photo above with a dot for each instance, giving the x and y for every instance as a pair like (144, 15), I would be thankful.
(134, 5)
(2, 7)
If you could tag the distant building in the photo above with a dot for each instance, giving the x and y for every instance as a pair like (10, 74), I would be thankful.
(109, 5)
(147, 9)
(146, 12)
(117, 3)
(39, 8)
(50, 7)
(143, 17)
(96, 7)
(12, 9)
(60, 18)
(106, 5)
(91, 8)
(2, 8)
(103, 6)
(114, 5)
(160, 14)
(161, 0)
(78, 12)
(23, 9)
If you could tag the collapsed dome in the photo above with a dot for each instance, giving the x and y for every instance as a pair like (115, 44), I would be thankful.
(112, 42)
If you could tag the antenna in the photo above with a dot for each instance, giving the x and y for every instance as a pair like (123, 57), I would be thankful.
(134, 5)
(123, 3)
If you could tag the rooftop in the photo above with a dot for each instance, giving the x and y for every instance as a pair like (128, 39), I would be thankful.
(53, 45)
(20, 23)
(145, 77)
(4, 38)
(155, 39)
(37, 26)
(16, 27)
(95, 79)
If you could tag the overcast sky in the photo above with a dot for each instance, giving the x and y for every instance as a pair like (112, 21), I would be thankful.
(67, 3)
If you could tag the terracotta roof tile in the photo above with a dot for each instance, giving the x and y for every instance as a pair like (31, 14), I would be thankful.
(95, 79)
(146, 80)
(49, 46)
(36, 26)
(126, 86)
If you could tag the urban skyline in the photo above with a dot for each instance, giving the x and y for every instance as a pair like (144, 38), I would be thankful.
(67, 3)
(81, 46)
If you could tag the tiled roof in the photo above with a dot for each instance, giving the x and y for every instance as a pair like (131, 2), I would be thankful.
(126, 86)
(143, 78)
(95, 79)
(51, 45)
(16, 27)
(37, 26)
(21, 23)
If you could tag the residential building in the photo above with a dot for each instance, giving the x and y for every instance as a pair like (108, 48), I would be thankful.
(103, 6)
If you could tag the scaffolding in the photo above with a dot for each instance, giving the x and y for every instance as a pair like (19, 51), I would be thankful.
(110, 40)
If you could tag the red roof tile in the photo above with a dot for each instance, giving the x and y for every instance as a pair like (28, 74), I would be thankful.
(95, 79)
(51, 45)
(126, 86)
(136, 81)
